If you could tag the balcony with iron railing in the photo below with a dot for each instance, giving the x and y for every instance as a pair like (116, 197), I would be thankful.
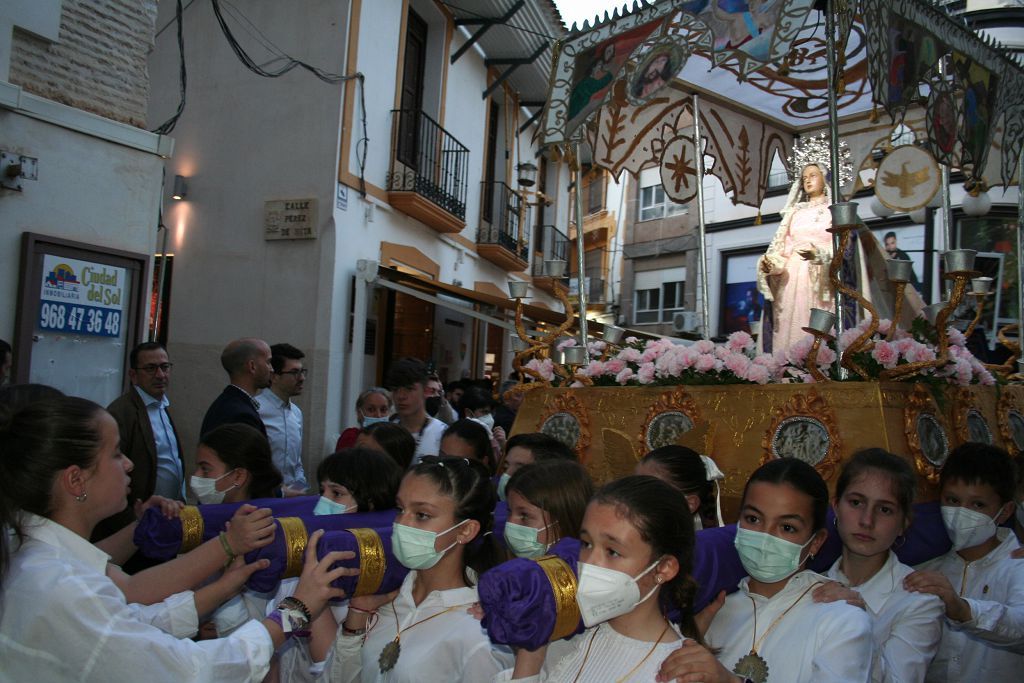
(501, 239)
(553, 246)
(427, 177)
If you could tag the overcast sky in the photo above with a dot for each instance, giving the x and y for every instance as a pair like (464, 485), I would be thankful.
(578, 10)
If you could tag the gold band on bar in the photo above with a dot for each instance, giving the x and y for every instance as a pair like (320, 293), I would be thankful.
(192, 527)
(295, 538)
(372, 562)
(563, 587)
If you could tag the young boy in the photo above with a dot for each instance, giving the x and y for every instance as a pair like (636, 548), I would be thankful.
(981, 585)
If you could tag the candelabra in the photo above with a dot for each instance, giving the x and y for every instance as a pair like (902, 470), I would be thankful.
(820, 327)
(900, 273)
(844, 221)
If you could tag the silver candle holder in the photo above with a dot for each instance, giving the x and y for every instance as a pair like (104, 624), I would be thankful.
(822, 321)
(518, 289)
(555, 268)
(844, 215)
(899, 270)
(613, 334)
(981, 285)
(574, 355)
(959, 260)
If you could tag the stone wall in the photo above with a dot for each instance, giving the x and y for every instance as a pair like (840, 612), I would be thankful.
(98, 63)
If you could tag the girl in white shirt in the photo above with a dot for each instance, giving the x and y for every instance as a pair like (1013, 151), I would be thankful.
(546, 502)
(633, 571)
(771, 629)
(873, 503)
(61, 617)
(426, 632)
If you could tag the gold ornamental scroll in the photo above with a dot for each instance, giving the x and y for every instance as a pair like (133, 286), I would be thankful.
(731, 422)
(563, 588)
(372, 562)
(192, 527)
(295, 538)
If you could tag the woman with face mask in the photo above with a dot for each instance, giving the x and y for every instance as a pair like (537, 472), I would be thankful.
(374, 406)
(425, 633)
(233, 465)
(695, 476)
(771, 629)
(873, 503)
(634, 568)
(546, 502)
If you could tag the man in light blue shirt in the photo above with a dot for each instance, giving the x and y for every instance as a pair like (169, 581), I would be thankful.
(148, 435)
(282, 418)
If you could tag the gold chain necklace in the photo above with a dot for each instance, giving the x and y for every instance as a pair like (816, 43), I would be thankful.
(753, 665)
(389, 655)
(631, 671)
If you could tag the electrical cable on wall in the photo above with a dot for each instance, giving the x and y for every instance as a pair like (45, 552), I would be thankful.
(167, 126)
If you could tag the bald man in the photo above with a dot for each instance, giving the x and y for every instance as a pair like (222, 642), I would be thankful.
(247, 362)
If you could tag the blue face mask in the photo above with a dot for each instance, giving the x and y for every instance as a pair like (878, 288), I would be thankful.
(326, 506)
(367, 421)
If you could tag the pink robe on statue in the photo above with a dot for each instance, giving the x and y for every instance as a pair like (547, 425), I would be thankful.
(798, 285)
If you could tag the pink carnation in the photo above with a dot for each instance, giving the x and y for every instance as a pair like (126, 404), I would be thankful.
(704, 346)
(722, 352)
(704, 362)
(737, 364)
(885, 354)
(826, 356)
(740, 341)
(956, 337)
(624, 376)
(629, 355)
(645, 375)
(565, 343)
(631, 340)
(757, 373)
(883, 326)
(614, 366)
(595, 369)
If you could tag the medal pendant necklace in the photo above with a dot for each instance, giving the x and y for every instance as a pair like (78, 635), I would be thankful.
(389, 655)
(752, 665)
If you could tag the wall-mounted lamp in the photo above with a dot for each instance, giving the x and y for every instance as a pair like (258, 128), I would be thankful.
(527, 174)
(180, 188)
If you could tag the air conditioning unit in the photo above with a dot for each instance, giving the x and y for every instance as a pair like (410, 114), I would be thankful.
(685, 321)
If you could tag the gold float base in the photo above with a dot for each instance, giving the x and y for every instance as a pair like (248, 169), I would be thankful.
(743, 426)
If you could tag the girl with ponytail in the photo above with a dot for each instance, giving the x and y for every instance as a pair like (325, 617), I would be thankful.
(635, 593)
(425, 631)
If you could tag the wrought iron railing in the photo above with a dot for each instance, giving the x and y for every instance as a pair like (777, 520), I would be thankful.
(502, 226)
(428, 160)
(554, 246)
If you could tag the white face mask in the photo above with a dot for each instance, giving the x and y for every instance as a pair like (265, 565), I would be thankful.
(206, 491)
(604, 594)
(487, 421)
(967, 528)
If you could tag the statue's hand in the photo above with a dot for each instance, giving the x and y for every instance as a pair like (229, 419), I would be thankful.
(766, 266)
(808, 254)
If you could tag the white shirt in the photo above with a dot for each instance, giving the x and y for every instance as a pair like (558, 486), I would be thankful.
(989, 647)
(813, 643)
(283, 420)
(611, 656)
(428, 439)
(170, 480)
(906, 626)
(63, 619)
(452, 647)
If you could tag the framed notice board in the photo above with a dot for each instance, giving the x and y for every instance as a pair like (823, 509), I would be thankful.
(80, 311)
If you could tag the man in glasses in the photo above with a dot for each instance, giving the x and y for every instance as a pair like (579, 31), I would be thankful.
(148, 435)
(282, 418)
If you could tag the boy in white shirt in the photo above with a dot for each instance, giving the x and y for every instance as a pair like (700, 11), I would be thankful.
(980, 584)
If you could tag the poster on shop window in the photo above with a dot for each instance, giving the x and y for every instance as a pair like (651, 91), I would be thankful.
(81, 297)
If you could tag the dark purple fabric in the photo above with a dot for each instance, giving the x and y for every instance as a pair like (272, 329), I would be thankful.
(717, 567)
(500, 517)
(394, 571)
(160, 538)
(518, 603)
(266, 580)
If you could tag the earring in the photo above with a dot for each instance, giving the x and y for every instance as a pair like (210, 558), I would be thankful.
(81, 498)
(659, 579)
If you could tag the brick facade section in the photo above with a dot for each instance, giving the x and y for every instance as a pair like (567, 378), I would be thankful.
(99, 62)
